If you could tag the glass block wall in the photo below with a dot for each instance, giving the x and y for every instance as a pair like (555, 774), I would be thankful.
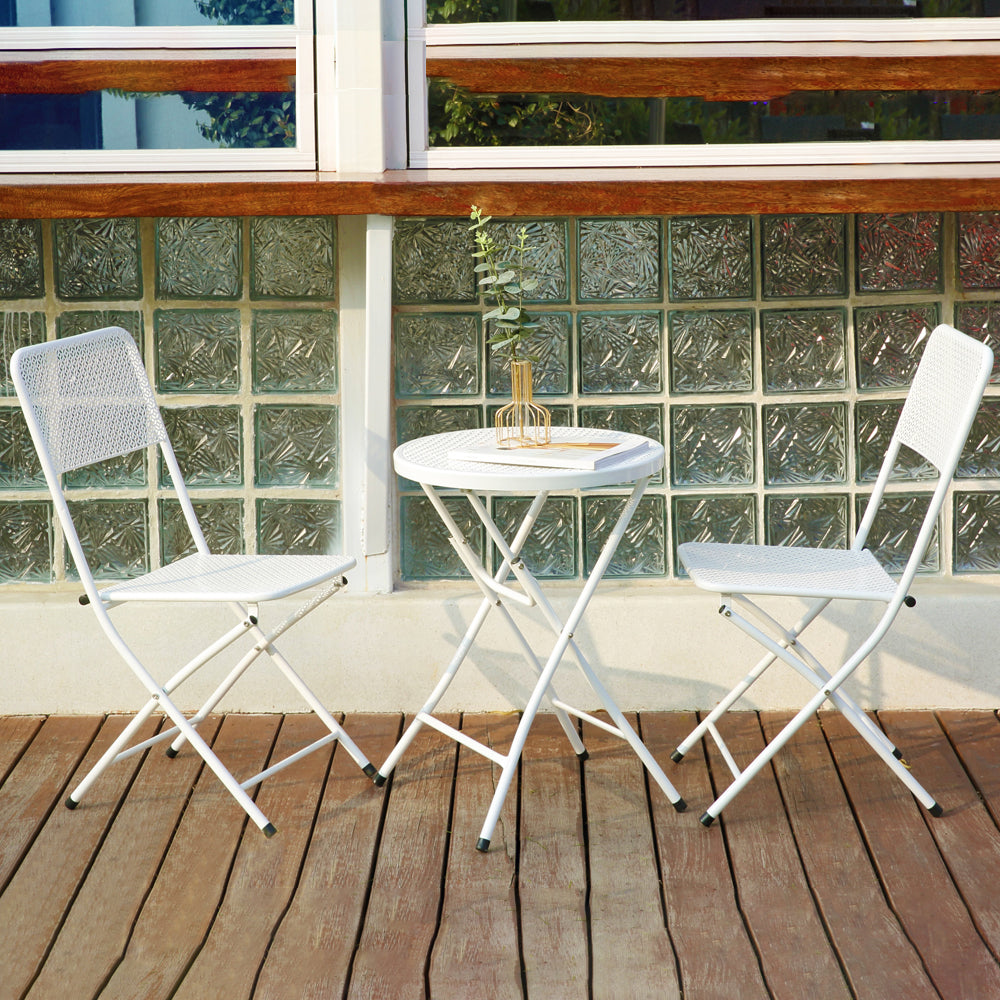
(769, 354)
(237, 321)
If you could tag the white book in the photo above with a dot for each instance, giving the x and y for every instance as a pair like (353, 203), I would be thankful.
(582, 454)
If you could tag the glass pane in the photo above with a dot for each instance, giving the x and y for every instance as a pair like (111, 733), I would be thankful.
(197, 350)
(293, 257)
(711, 351)
(712, 445)
(804, 349)
(221, 523)
(97, 258)
(619, 259)
(642, 550)
(297, 445)
(710, 257)
(551, 548)
(115, 537)
(620, 352)
(977, 533)
(895, 530)
(299, 527)
(549, 346)
(199, 258)
(899, 253)
(547, 257)
(432, 261)
(811, 521)
(890, 341)
(805, 444)
(124, 13)
(803, 255)
(26, 541)
(21, 275)
(295, 350)
(427, 553)
(208, 442)
(437, 354)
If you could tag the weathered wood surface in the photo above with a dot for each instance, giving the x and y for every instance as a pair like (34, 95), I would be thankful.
(823, 879)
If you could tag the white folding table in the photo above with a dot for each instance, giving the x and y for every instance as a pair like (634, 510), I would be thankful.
(426, 460)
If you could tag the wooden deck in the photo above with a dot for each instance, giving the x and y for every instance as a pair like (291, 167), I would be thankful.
(825, 880)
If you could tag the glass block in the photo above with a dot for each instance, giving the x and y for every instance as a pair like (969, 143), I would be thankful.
(804, 349)
(208, 442)
(75, 321)
(711, 351)
(895, 530)
(432, 261)
(221, 523)
(199, 258)
(713, 519)
(21, 275)
(299, 527)
(712, 445)
(981, 455)
(551, 548)
(710, 257)
(873, 427)
(26, 541)
(97, 258)
(805, 444)
(979, 250)
(890, 341)
(297, 445)
(122, 472)
(295, 351)
(981, 319)
(115, 538)
(643, 549)
(646, 419)
(19, 329)
(293, 257)
(437, 354)
(419, 421)
(426, 553)
(899, 252)
(619, 259)
(197, 350)
(549, 346)
(548, 259)
(19, 465)
(620, 352)
(977, 533)
(814, 521)
(803, 255)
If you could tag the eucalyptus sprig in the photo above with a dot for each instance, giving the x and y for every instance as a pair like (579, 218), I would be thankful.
(505, 278)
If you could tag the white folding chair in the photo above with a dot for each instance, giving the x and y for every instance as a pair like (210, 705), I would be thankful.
(87, 399)
(934, 422)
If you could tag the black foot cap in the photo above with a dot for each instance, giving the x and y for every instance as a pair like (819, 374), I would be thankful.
(706, 819)
(171, 752)
(936, 810)
(71, 804)
(680, 805)
(583, 755)
(482, 845)
(369, 770)
(677, 756)
(270, 830)
(379, 779)
(897, 753)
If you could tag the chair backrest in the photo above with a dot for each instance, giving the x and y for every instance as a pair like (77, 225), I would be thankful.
(86, 398)
(935, 421)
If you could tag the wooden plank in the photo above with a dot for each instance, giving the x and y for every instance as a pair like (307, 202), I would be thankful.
(312, 950)
(123, 871)
(476, 950)
(16, 732)
(913, 876)
(181, 906)
(715, 956)
(552, 870)
(265, 872)
(401, 919)
(37, 781)
(966, 834)
(35, 900)
(626, 910)
(976, 738)
(878, 958)
(796, 956)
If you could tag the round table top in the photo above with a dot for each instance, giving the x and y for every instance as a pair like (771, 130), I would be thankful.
(427, 460)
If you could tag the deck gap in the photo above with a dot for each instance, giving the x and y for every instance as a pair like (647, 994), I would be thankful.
(716, 791)
(370, 879)
(519, 930)
(961, 760)
(585, 827)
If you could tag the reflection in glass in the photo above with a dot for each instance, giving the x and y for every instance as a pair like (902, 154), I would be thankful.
(152, 13)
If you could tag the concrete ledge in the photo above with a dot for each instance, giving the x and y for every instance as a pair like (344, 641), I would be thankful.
(656, 647)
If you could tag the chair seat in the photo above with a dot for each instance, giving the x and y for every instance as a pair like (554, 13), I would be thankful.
(241, 578)
(785, 570)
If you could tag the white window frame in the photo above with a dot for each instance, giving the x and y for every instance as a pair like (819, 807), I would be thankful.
(690, 39)
(143, 43)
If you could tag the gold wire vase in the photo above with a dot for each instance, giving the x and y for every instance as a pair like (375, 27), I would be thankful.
(522, 422)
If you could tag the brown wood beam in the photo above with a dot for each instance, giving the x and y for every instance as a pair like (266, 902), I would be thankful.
(76, 76)
(734, 79)
(412, 194)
